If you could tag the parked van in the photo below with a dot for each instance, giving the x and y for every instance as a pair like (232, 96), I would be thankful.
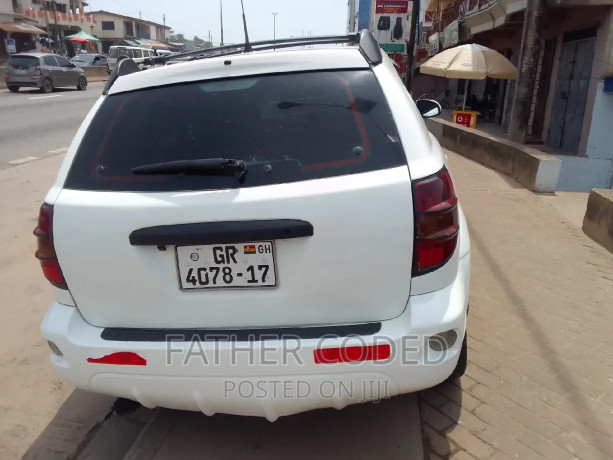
(136, 53)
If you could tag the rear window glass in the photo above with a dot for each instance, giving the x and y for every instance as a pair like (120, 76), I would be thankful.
(113, 53)
(286, 128)
(23, 61)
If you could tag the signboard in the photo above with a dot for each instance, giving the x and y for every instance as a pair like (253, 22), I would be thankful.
(433, 41)
(450, 34)
(391, 24)
(10, 45)
(466, 118)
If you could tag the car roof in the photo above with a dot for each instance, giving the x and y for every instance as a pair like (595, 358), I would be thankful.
(239, 65)
(33, 54)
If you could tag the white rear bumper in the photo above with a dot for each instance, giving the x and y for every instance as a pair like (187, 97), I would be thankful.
(265, 378)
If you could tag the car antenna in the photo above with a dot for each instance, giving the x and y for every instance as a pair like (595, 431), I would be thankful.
(247, 48)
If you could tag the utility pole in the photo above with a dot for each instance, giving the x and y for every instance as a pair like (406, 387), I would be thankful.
(411, 45)
(274, 26)
(529, 58)
(164, 29)
(221, 20)
(58, 42)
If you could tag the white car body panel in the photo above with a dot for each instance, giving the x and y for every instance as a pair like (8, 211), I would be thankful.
(350, 284)
(228, 366)
(242, 65)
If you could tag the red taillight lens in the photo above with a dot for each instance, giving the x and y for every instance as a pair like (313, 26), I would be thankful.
(436, 222)
(46, 250)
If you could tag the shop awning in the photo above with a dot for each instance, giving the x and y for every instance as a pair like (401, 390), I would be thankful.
(21, 28)
(149, 42)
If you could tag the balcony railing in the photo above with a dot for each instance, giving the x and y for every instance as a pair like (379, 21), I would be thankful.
(475, 6)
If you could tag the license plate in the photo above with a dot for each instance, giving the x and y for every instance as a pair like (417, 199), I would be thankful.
(21, 71)
(243, 265)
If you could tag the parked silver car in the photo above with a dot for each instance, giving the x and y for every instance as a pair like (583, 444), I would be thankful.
(89, 59)
(43, 70)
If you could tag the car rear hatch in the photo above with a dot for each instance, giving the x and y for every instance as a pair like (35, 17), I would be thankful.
(22, 66)
(319, 231)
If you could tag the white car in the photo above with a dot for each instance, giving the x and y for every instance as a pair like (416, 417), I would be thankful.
(257, 234)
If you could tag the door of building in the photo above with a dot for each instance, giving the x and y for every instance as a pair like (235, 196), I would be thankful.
(572, 86)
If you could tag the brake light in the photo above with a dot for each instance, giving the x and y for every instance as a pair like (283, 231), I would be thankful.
(46, 250)
(436, 222)
(36, 70)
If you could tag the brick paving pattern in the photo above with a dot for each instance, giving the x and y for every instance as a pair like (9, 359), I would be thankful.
(539, 383)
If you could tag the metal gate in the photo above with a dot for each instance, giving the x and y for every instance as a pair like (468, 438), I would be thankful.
(572, 86)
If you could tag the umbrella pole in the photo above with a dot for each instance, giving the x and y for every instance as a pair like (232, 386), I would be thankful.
(465, 91)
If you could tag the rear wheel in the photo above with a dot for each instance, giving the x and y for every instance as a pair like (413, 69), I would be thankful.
(82, 85)
(47, 86)
(13, 89)
(460, 368)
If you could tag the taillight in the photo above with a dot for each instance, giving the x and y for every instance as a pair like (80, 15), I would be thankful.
(436, 222)
(36, 70)
(46, 250)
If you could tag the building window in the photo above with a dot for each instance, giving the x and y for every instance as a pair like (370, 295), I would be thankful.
(55, 6)
(128, 29)
(108, 25)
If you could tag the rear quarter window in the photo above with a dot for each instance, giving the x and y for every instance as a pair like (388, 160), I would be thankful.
(287, 128)
(113, 53)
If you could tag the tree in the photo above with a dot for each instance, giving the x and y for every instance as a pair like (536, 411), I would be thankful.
(177, 38)
(530, 50)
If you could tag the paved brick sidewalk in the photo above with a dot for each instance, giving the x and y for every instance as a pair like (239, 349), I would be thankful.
(540, 379)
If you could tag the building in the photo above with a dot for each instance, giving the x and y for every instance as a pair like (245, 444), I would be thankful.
(27, 21)
(572, 104)
(388, 20)
(117, 29)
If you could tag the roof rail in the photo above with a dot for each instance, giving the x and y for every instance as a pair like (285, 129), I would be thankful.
(124, 67)
(367, 43)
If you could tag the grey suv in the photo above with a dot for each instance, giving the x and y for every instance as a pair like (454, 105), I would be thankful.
(43, 70)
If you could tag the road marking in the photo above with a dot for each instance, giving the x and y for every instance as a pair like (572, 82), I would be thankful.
(23, 160)
(43, 97)
(62, 150)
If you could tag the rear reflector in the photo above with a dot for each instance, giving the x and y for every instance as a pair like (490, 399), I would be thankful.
(351, 354)
(121, 358)
(436, 222)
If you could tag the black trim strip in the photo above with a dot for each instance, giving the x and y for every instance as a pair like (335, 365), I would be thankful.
(117, 334)
(221, 232)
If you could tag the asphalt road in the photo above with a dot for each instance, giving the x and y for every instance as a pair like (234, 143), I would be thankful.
(35, 125)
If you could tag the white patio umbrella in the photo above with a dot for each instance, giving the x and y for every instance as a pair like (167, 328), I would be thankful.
(470, 62)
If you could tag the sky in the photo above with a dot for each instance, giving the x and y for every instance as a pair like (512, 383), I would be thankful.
(196, 17)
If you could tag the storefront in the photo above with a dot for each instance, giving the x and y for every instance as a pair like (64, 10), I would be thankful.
(17, 38)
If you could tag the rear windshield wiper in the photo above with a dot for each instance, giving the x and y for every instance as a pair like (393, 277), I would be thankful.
(204, 167)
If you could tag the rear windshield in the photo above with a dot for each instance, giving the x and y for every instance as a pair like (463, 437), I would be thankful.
(286, 128)
(113, 53)
(23, 61)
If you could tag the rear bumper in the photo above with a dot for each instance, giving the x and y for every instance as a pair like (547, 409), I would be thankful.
(22, 81)
(268, 378)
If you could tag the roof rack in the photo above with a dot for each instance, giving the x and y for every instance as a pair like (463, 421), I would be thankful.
(367, 43)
